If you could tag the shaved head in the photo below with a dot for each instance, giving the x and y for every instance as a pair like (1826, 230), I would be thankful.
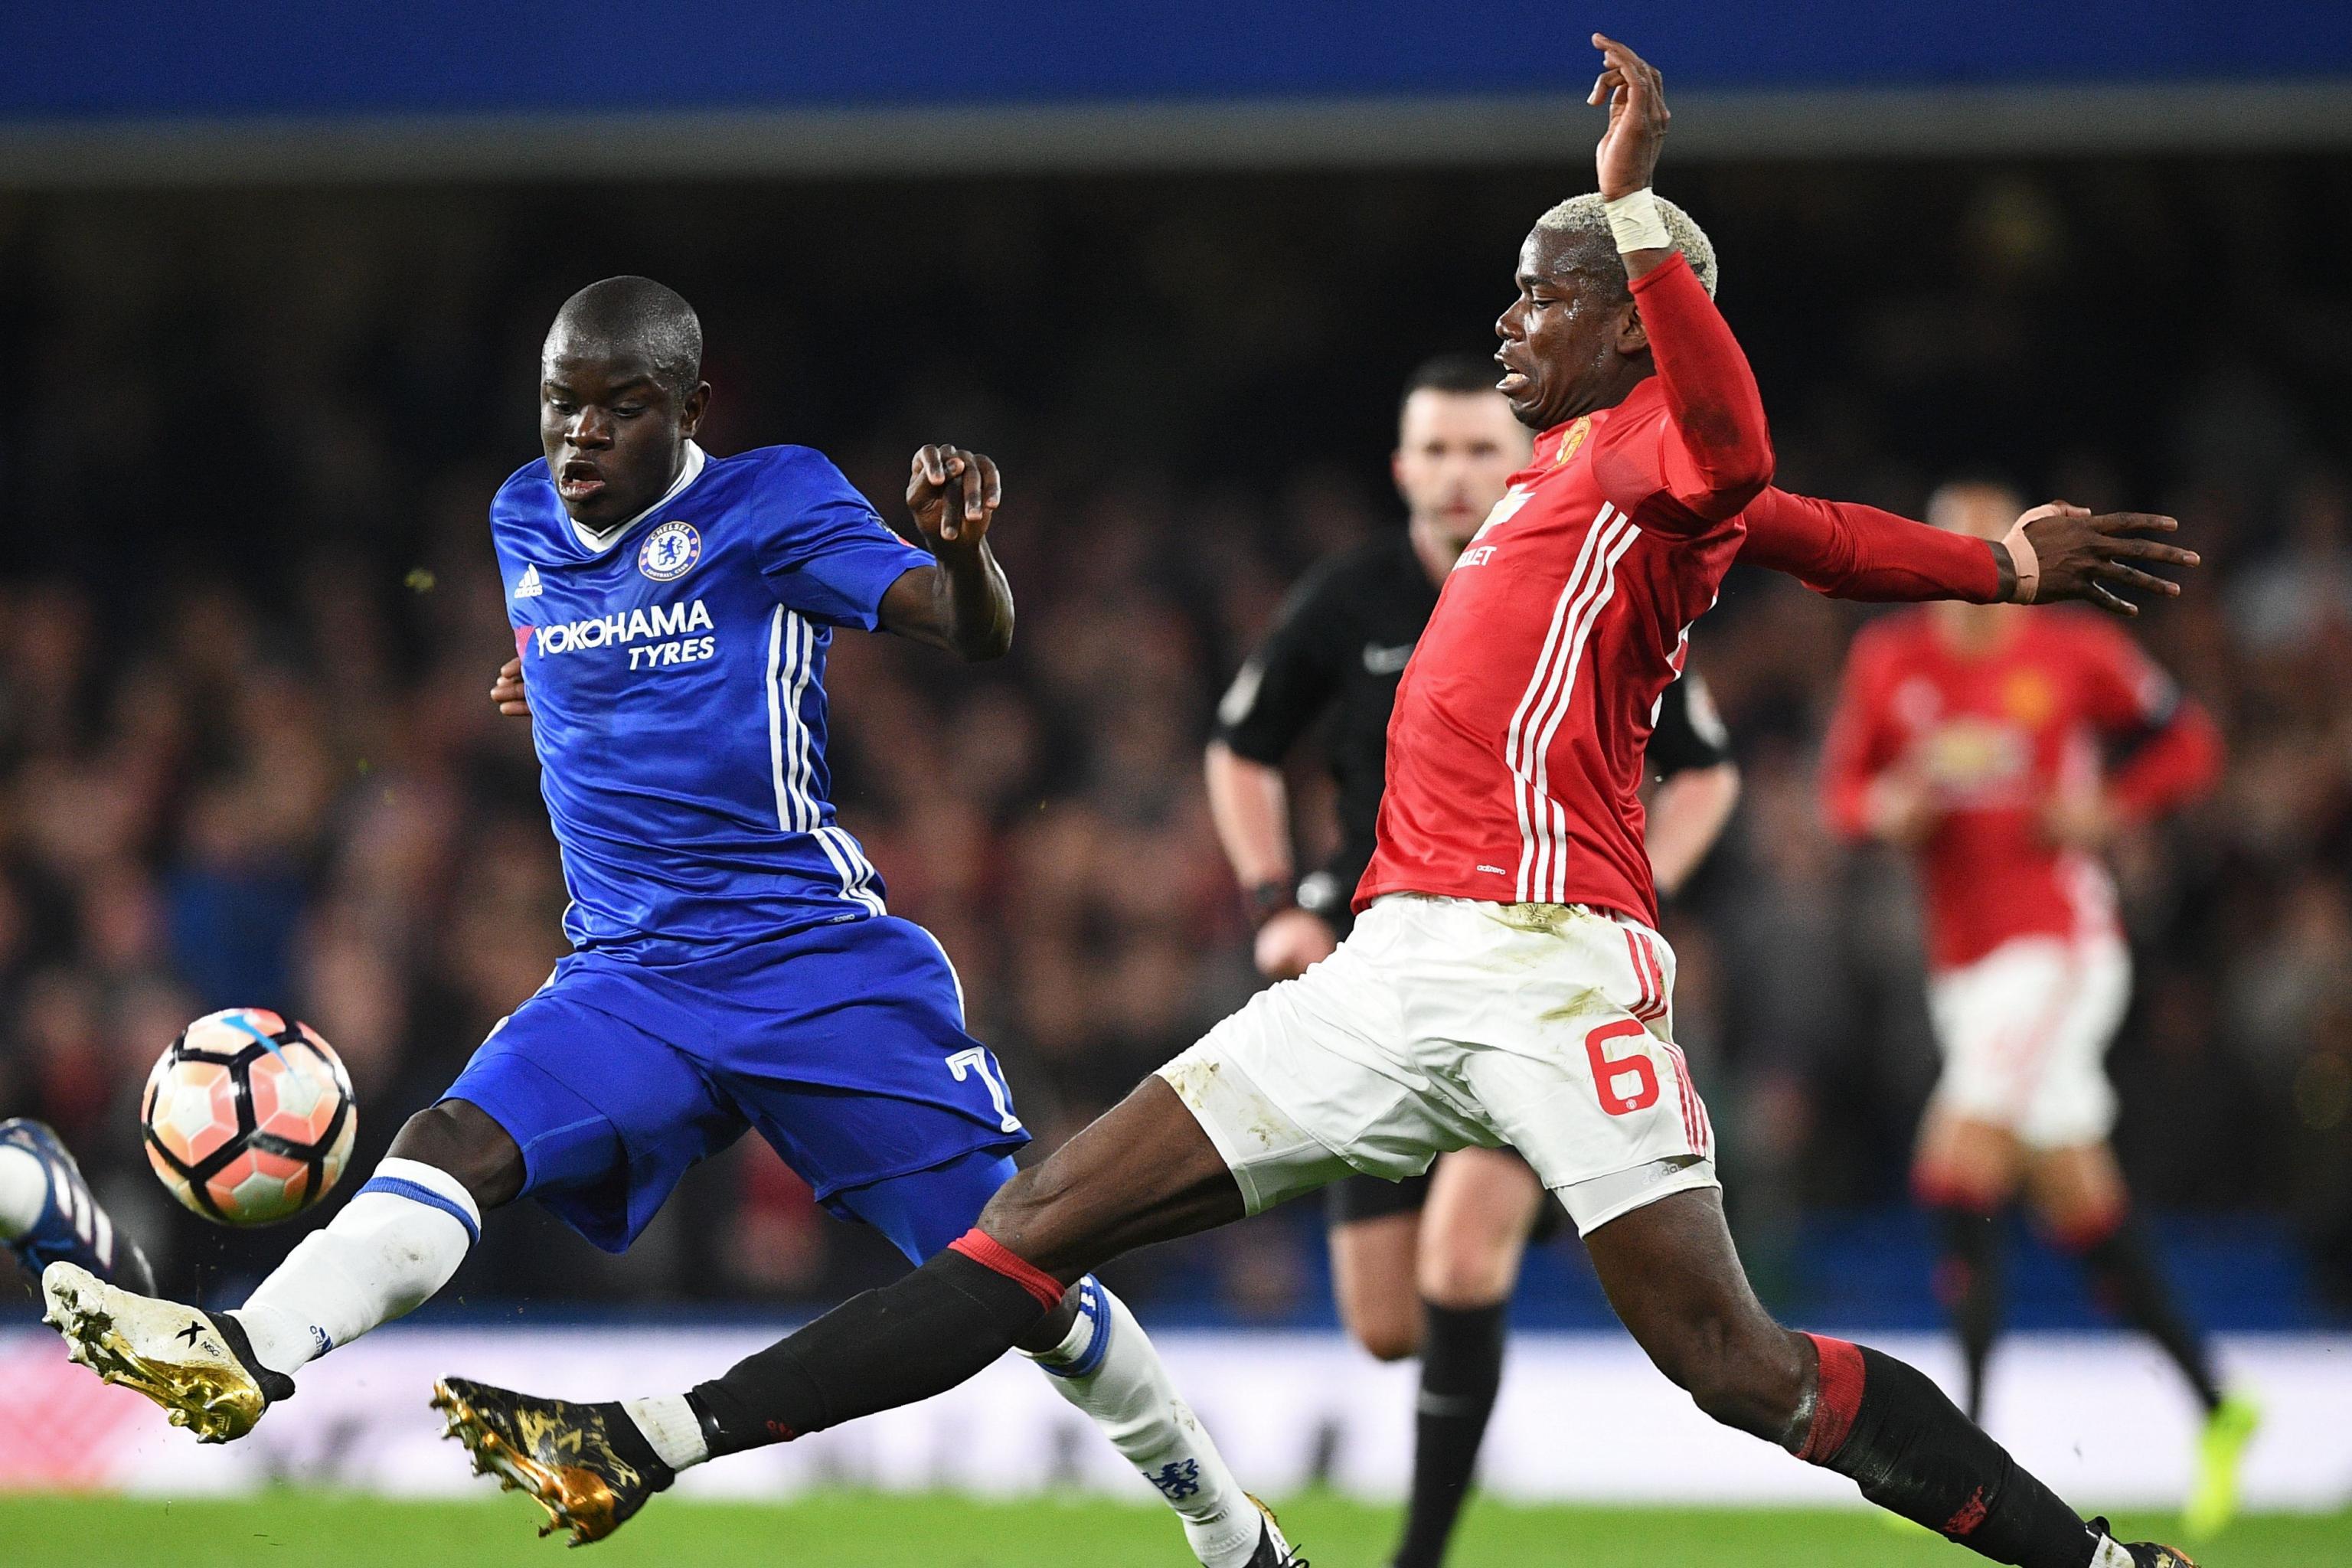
(631, 318)
(620, 395)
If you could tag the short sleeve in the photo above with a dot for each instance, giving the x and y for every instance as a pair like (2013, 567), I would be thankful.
(823, 549)
(1690, 732)
(1286, 683)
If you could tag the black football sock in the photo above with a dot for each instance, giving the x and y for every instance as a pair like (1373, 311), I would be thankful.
(920, 1335)
(1886, 1425)
(2121, 1261)
(1969, 1283)
(1461, 1369)
(275, 1387)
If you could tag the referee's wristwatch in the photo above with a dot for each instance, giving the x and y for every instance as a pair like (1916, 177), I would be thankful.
(1320, 895)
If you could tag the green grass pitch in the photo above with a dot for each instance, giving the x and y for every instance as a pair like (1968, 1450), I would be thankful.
(860, 1530)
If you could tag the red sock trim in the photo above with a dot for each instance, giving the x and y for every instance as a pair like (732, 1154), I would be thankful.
(1839, 1398)
(997, 1258)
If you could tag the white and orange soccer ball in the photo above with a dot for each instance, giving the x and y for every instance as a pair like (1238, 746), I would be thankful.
(248, 1116)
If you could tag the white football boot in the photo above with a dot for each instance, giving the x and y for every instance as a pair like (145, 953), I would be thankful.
(198, 1367)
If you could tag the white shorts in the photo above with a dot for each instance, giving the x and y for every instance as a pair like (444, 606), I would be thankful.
(2025, 1031)
(1444, 1023)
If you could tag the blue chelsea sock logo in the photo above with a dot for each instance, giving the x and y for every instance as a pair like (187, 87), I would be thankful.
(1177, 1479)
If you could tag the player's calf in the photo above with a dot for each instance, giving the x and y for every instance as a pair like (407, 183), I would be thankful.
(1671, 1272)
(393, 1246)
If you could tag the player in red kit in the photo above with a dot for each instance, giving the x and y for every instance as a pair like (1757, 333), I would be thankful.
(2005, 751)
(1505, 983)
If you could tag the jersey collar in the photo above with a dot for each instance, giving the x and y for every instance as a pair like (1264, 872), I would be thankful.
(597, 543)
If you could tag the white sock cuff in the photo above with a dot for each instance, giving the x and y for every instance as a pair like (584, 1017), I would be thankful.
(429, 1186)
(671, 1426)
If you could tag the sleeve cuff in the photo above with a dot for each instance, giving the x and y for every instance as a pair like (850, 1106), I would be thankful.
(1676, 263)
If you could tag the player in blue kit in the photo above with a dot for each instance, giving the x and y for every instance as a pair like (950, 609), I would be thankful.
(734, 965)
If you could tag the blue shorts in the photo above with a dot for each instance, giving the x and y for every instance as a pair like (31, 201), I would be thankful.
(844, 1045)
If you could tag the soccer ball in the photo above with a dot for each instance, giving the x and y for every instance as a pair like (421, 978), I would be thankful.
(248, 1118)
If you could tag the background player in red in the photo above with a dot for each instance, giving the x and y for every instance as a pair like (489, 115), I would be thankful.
(2007, 750)
(1504, 983)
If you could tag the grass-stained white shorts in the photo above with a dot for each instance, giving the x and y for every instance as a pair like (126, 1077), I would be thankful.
(1444, 1023)
(2025, 1031)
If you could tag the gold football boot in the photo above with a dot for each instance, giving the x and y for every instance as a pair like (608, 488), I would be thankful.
(198, 1367)
(561, 1453)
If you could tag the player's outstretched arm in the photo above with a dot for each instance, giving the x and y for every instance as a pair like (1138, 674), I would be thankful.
(1854, 551)
(1720, 452)
(961, 602)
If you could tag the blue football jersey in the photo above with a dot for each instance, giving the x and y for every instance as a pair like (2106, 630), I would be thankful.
(677, 681)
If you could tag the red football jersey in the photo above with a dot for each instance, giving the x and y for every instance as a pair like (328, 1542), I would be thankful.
(1996, 736)
(1515, 750)
(1515, 746)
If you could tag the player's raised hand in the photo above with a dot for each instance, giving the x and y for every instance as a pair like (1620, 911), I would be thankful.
(2084, 556)
(1637, 96)
(953, 494)
(507, 690)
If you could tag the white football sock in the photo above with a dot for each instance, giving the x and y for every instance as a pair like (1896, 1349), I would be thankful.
(671, 1426)
(24, 1190)
(395, 1243)
(1129, 1393)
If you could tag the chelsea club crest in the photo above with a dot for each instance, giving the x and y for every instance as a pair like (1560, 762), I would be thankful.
(670, 550)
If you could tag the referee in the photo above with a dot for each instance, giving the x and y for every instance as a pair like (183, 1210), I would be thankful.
(1426, 1265)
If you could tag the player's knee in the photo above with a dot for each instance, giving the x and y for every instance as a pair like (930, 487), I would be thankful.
(1467, 1272)
(1389, 1331)
(462, 1140)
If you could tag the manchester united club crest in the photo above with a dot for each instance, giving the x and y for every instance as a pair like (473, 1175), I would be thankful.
(669, 552)
(1573, 439)
(2029, 697)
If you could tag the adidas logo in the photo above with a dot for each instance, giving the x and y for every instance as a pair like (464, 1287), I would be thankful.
(528, 588)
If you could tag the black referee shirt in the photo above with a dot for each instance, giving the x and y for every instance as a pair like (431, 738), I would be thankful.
(1341, 639)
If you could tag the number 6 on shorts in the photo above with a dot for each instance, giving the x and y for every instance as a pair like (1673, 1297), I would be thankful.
(1607, 1070)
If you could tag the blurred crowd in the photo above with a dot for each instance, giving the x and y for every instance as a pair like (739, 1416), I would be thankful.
(248, 619)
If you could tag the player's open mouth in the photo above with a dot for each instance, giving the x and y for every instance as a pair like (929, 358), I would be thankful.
(579, 481)
(1514, 380)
